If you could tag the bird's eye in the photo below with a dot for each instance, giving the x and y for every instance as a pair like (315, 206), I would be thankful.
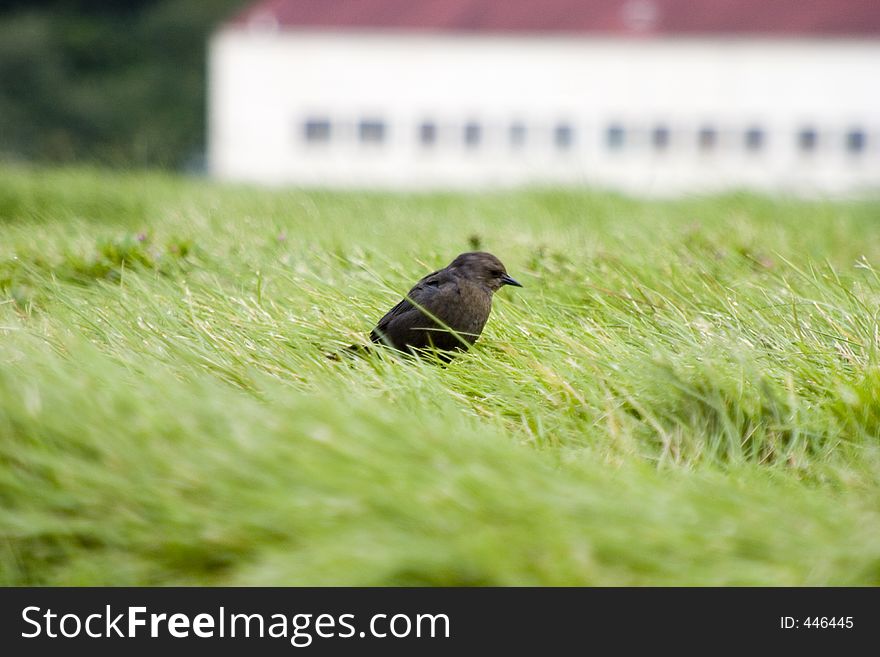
(497, 273)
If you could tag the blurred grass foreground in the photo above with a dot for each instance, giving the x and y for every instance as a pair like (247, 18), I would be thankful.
(685, 392)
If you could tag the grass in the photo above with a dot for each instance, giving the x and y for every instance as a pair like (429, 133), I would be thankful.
(685, 392)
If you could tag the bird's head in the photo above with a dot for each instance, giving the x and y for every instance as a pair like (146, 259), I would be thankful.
(483, 268)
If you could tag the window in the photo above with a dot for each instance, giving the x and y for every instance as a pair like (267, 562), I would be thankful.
(660, 138)
(371, 131)
(807, 140)
(615, 137)
(707, 138)
(316, 131)
(517, 135)
(754, 139)
(473, 132)
(428, 133)
(855, 141)
(563, 136)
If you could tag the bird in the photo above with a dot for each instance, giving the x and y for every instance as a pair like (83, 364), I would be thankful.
(445, 311)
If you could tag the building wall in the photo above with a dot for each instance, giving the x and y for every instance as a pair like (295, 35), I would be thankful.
(267, 85)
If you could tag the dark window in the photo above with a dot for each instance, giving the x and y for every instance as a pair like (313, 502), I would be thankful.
(472, 134)
(855, 141)
(615, 137)
(316, 130)
(563, 136)
(660, 137)
(754, 139)
(517, 135)
(371, 131)
(428, 133)
(707, 138)
(807, 140)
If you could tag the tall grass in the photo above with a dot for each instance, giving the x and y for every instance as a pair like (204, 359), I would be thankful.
(685, 392)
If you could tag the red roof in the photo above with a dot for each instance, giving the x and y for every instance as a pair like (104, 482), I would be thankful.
(826, 18)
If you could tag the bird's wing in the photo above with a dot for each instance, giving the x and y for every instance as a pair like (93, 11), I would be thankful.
(408, 313)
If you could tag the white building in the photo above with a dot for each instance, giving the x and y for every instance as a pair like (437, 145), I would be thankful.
(651, 96)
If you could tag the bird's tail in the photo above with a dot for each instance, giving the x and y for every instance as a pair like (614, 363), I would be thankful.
(349, 352)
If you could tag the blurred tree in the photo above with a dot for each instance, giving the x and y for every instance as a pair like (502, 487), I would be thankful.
(119, 82)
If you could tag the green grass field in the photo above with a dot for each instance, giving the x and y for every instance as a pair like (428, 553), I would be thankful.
(684, 392)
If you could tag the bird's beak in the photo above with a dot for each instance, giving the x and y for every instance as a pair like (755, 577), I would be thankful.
(507, 280)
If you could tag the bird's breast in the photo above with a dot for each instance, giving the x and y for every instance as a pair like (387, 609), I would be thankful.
(468, 316)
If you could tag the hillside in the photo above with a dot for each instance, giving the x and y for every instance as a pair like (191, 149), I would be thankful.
(684, 392)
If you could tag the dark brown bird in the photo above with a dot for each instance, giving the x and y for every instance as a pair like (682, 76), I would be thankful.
(447, 309)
